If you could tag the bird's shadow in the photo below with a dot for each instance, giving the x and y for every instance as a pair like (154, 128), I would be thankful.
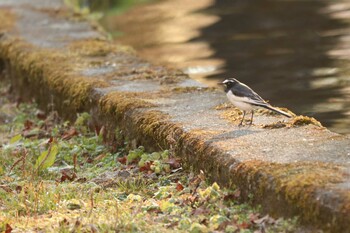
(236, 133)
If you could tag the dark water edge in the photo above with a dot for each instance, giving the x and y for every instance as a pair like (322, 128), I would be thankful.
(293, 53)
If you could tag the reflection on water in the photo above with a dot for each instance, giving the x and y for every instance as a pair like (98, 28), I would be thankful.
(165, 32)
(294, 53)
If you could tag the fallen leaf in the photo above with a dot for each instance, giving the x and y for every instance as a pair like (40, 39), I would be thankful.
(122, 160)
(28, 124)
(8, 228)
(243, 225)
(69, 134)
(179, 187)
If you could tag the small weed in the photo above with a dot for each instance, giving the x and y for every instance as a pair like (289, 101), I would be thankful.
(133, 185)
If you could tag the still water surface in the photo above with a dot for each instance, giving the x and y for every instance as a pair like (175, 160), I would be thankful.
(294, 53)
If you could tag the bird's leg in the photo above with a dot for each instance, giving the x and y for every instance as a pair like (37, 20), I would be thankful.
(242, 119)
(251, 118)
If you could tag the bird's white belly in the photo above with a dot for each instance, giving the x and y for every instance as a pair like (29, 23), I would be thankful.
(238, 102)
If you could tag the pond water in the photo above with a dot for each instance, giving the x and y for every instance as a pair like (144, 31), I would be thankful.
(294, 53)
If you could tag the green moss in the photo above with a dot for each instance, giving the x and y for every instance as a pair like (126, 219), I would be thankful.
(305, 120)
(229, 112)
(156, 128)
(96, 48)
(295, 122)
(275, 125)
(192, 89)
(53, 69)
(296, 183)
(117, 103)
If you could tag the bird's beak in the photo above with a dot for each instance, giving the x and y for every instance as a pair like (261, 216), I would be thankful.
(220, 83)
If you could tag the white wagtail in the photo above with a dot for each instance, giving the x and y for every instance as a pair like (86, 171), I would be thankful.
(244, 98)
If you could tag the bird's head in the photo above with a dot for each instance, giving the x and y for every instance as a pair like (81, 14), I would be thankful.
(229, 83)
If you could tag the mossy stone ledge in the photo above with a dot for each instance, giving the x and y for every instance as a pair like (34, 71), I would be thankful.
(292, 167)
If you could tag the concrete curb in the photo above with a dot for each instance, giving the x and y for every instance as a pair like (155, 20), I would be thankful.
(62, 61)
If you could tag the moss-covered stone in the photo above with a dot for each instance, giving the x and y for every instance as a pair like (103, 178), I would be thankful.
(302, 185)
(51, 69)
(117, 103)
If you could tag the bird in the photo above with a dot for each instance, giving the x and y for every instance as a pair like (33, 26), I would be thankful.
(244, 98)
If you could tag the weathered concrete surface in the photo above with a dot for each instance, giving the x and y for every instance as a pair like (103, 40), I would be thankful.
(293, 167)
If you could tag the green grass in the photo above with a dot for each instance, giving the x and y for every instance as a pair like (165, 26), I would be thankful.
(58, 176)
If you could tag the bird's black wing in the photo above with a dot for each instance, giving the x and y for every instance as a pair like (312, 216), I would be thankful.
(242, 90)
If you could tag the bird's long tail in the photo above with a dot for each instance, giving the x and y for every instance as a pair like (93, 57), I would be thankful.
(277, 110)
